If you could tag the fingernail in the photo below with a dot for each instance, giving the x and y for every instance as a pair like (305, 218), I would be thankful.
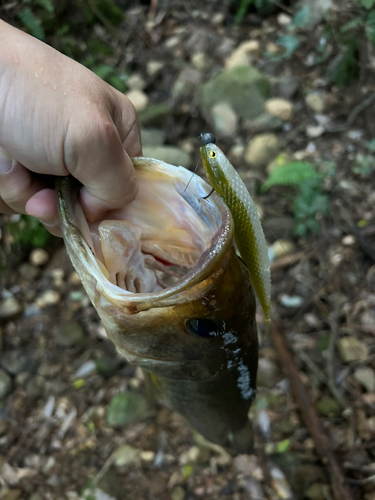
(5, 163)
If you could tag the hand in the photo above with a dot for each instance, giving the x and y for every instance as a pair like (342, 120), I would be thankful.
(57, 117)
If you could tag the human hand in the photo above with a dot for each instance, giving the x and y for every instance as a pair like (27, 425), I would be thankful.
(59, 118)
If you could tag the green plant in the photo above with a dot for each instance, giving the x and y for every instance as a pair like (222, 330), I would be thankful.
(242, 7)
(29, 232)
(309, 201)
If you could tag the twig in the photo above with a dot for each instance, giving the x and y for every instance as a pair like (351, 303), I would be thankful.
(323, 445)
(353, 115)
(330, 359)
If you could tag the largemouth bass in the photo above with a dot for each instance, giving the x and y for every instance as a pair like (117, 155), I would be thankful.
(173, 296)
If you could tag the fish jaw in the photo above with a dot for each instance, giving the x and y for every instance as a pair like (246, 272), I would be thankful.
(209, 379)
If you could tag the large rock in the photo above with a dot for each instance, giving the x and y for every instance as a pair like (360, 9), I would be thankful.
(244, 89)
(169, 154)
(261, 149)
(224, 120)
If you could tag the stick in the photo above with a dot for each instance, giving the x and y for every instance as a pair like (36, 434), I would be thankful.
(323, 445)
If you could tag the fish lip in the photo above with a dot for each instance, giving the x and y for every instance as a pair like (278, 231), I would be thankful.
(203, 273)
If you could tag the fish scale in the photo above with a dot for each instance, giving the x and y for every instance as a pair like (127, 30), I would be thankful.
(249, 235)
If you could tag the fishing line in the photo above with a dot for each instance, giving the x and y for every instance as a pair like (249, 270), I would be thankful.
(191, 178)
(209, 194)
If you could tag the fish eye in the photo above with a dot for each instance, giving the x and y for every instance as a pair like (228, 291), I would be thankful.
(207, 138)
(212, 154)
(204, 327)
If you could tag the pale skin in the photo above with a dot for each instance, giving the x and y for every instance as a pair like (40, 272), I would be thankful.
(59, 118)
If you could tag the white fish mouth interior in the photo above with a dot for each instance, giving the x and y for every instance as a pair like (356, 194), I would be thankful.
(154, 241)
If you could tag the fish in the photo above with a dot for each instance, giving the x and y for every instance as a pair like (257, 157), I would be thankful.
(173, 295)
(249, 235)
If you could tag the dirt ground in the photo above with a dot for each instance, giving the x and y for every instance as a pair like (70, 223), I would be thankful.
(55, 438)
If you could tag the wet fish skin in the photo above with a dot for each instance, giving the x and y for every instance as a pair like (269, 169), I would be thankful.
(197, 339)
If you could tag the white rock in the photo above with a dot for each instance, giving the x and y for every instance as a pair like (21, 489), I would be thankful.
(199, 60)
(348, 240)
(48, 298)
(315, 130)
(366, 377)
(154, 67)
(74, 278)
(261, 149)
(283, 19)
(147, 456)
(190, 456)
(225, 120)
(138, 98)
(58, 276)
(243, 54)
(136, 82)
(272, 48)
(237, 150)
(39, 257)
(279, 107)
(315, 101)
(127, 455)
(280, 248)
(351, 349)
(9, 307)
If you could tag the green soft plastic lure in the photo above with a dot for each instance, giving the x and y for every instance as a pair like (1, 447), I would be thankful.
(249, 235)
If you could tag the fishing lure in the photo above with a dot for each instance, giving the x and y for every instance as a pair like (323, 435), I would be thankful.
(249, 235)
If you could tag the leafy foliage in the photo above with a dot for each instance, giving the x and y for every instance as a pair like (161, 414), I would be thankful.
(310, 203)
(242, 7)
(29, 232)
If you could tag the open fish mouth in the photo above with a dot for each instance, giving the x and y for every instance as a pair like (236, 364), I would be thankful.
(164, 277)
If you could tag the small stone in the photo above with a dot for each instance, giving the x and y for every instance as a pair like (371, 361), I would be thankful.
(351, 349)
(315, 101)
(48, 298)
(74, 279)
(290, 300)
(69, 334)
(242, 55)
(199, 60)
(237, 151)
(315, 130)
(86, 369)
(279, 107)
(127, 455)
(272, 48)
(225, 121)
(138, 98)
(28, 272)
(348, 240)
(186, 83)
(169, 154)
(190, 456)
(39, 257)
(281, 248)
(136, 82)
(328, 407)
(178, 493)
(13, 361)
(218, 18)
(147, 456)
(58, 276)
(126, 408)
(365, 377)
(283, 19)
(5, 384)
(154, 67)
(9, 308)
(261, 149)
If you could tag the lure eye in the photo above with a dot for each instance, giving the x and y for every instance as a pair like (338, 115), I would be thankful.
(204, 327)
(207, 138)
(212, 154)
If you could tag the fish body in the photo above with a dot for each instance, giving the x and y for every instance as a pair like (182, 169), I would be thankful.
(249, 235)
(173, 296)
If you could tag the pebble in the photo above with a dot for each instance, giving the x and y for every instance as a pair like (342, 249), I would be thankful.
(178, 493)
(28, 271)
(279, 107)
(283, 19)
(348, 240)
(136, 82)
(127, 455)
(287, 86)
(74, 278)
(242, 55)
(147, 456)
(261, 149)
(272, 48)
(190, 456)
(69, 334)
(138, 98)
(225, 120)
(58, 277)
(237, 151)
(39, 257)
(366, 377)
(315, 101)
(290, 300)
(13, 361)
(199, 60)
(48, 298)
(280, 248)
(351, 349)
(86, 369)
(5, 383)
(9, 308)
(315, 130)
(154, 67)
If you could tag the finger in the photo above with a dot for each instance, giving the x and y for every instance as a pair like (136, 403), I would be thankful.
(126, 122)
(132, 143)
(17, 185)
(100, 162)
(43, 206)
(54, 228)
(4, 209)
